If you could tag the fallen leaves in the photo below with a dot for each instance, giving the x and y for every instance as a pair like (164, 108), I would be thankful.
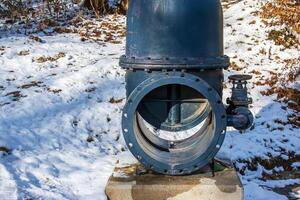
(272, 163)
(252, 22)
(114, 101)
(43, 59)
(92, 89)
(279, 85)
(255, 72)
(235, 66)
(46, 23)
(90, 139)
(15, 95)
(61, 30)
(55, 91)
(31, 84)
(283, 37)
(4, 149)
(24, 53)
(228, 3)
(36, 38)
(283, 13)
(108, 29)
(2, 49)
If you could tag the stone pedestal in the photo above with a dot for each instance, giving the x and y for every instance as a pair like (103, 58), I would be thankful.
(133, 182)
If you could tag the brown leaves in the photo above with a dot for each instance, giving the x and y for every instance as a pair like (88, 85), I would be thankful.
(228, 3)
(55, 91)
(109, 29)
(114, 101)
(235, 67)
(271, 163)
(4, 149)
(64, 30)
(36, 38)
(252, 22)
(15, 95)
(255, 72)
(263, 51)
(283, 37)
(24, 53)
(288, 95)
(279, 85)
(43, 59)
(283, 12)
(46, 23)
(290, 72)
(31, 84)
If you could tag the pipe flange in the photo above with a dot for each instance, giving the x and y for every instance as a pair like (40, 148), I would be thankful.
(189, 158)
(205, 63)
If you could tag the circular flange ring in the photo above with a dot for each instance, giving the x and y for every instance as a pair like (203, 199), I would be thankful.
(179, 162)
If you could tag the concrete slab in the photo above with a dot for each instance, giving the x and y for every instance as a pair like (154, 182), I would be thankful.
(133, 182)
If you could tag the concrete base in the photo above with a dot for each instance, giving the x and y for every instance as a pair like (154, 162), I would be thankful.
(133, 182)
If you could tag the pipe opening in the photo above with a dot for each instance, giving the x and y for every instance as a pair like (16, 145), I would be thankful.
(174, 123)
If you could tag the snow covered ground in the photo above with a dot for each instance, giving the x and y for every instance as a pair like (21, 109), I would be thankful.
(61, 101)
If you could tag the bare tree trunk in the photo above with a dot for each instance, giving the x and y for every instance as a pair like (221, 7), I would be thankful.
(101, 7)
(122, 7)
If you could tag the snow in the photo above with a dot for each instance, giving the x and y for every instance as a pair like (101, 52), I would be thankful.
(296, 164)
(47, 131)
(297, 194)
(256, 192)
(49, 110)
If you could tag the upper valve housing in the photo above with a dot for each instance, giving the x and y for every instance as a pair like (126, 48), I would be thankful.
(174, 34)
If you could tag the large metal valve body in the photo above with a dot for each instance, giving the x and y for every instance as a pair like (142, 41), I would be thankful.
(174, 121)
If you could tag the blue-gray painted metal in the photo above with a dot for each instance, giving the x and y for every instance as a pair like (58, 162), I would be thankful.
(174, 65)
(192, 153)
(174, 34)
(240, 116)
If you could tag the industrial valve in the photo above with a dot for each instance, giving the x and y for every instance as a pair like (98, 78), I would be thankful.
(239, 115)
(174, 121)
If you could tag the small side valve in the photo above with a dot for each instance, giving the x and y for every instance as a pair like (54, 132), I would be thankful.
(239, 115)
